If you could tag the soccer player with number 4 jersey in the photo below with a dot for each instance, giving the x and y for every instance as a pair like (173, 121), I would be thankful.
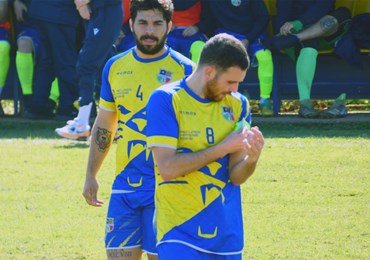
(128, 80)
(202, 157)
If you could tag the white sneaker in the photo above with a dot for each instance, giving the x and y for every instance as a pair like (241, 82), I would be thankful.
(74, 130)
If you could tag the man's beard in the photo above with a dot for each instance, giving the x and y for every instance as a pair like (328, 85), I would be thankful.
(210, 88)
(150, 50)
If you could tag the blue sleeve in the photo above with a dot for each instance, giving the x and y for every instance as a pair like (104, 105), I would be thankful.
(161, 117)
(106, 91)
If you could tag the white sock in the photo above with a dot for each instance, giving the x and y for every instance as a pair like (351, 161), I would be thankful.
(84, 114)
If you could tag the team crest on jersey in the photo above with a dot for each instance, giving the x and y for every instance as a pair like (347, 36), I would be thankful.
(164, 76)
(236, 2)
(109, 225)
(228, 114)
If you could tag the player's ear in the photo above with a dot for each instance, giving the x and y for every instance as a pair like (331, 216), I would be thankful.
(131, 23)
(169, 27)
(209, 72)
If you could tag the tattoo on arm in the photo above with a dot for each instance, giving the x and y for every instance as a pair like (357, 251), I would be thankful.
(103, 139)
(328, 24)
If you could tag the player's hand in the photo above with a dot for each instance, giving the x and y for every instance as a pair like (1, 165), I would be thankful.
(80, 3)
(190, 31)
(254, 143)
(286, 28)
(85, 12)
(236, 141)
(19, 9)
(90, 192)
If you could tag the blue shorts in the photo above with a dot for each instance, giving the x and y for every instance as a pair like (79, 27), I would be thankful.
(4, 35)
(169, 251)
(27, 32)
(130, 221)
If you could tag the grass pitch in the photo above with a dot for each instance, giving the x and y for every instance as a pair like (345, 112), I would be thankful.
(308, 199)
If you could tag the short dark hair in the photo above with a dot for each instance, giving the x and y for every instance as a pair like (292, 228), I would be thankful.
(164, 6)
(224, 51)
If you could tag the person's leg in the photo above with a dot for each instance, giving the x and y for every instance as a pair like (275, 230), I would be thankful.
(44, 74)
(327, 26)
(305, 70)
(97, 47)
(123, 236)
(64, 51)
(25, 66)
(4, 61)
(265, 77)
(149, 236)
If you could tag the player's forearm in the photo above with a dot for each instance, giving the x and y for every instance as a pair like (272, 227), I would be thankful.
(242, 171)
(180, 164)
(101, 140)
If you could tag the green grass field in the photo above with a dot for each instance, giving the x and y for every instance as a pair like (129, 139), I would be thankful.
(308, 199)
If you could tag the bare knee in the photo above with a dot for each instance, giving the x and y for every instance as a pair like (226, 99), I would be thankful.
(329, 24)
(25, 45)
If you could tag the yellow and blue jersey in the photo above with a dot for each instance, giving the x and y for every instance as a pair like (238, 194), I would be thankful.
(127, 83)
(202, 209)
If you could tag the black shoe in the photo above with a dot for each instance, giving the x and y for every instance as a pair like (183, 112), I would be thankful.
(41, 112)
(36, 116)
(307, 111)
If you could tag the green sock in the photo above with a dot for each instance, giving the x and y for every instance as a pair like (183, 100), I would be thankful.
(54, 92)
(24, 63)
(4, 61)
(305, 69)
(265, 72)
(195, 50)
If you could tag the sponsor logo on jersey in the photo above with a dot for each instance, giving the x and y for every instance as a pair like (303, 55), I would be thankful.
(164, 76)
(109, 225)
(228, 114)
(236, 2)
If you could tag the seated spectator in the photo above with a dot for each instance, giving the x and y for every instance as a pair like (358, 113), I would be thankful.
(357, 37)
(247, 20)
(308, 26)
(27, 51)
(102, 20)
(187, 35)
(56, 23)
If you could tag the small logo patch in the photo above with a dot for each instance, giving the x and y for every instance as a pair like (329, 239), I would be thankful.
(164, 76)
(236, 2)
(109, 225)
(228, 114)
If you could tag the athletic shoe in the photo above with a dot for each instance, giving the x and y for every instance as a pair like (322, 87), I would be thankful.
(266, 108)
(74, 130)
(307, 111)
(335, 111)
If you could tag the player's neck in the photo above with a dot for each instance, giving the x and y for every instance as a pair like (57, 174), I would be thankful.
(196, 82)
(150, 56)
